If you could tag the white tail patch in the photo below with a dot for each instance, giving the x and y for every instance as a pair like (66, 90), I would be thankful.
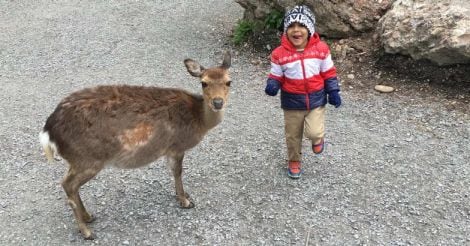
(50, 149)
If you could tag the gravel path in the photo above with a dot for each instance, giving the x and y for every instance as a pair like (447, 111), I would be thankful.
(395, 171)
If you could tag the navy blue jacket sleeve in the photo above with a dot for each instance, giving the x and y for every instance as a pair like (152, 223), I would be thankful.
(272, 87)
(273, 82)
(331, 84)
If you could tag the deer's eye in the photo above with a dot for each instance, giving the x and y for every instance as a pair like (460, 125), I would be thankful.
(228, 83)
(204, 84)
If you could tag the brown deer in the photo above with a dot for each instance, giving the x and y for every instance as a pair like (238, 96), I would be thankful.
(132, 126)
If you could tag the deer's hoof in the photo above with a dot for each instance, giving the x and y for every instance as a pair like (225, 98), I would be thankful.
(89, 237)
(186, 204)
(87, 234)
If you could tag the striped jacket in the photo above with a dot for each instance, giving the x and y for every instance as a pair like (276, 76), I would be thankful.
(305, 77)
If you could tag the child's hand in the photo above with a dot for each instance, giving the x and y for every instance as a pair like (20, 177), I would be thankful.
(272, 87)
(334, 98)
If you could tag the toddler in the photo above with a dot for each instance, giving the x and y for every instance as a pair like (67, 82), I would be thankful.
(302, 68)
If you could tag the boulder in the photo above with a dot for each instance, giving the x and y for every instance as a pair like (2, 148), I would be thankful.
(335, 19)
(438, 31)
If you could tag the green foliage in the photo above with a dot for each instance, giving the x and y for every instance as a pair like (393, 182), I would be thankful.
(243, 29)
(330, 42)
(246, 28)
(274, 20)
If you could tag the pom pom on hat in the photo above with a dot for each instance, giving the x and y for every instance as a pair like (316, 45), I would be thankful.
(302, 15)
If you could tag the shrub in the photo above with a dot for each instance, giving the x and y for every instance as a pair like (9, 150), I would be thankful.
(274, 20)
(246, 28)
(243, 29)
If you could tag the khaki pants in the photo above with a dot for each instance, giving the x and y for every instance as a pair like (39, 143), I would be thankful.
(300, 122)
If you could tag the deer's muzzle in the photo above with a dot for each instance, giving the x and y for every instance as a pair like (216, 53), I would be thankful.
(218, 103)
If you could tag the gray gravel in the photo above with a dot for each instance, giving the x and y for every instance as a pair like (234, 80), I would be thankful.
(395, 170)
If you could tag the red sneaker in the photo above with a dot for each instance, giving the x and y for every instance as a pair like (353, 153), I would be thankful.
(294, 169)
(318, 148)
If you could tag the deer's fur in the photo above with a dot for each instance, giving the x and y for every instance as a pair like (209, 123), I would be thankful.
(132, 126)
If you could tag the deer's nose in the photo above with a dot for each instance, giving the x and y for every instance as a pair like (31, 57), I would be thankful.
(218, 103)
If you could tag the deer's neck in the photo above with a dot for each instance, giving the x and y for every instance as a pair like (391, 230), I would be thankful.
(211, 118)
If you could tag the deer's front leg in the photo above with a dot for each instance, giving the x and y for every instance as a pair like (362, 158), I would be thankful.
(177, 169)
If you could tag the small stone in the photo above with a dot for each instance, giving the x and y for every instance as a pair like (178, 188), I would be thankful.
(350, 76)
(71, 238)
(384, 88)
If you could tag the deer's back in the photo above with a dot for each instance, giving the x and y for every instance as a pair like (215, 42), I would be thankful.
(127, 125)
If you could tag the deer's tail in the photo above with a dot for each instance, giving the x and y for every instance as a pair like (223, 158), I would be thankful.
(50, 149)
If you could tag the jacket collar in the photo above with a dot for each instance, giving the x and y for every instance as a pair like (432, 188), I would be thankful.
(315, 38)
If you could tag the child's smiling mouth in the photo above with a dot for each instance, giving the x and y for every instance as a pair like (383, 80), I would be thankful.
(297, 36)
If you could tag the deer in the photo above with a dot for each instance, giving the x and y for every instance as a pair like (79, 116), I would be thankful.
(130, 126)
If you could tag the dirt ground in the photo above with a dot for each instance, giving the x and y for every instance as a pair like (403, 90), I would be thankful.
(371, 66)
(362, 64)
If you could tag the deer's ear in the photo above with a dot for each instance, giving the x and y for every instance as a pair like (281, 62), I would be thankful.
(227, 62)
(193, 67)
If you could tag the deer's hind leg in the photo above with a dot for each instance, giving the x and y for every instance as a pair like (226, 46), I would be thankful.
(75, 178)
(177, 169)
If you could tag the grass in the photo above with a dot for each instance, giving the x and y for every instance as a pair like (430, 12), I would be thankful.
(274, 20)
(246, 28)
(243, 30)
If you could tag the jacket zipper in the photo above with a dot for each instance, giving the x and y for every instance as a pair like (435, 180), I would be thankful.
(307, 101)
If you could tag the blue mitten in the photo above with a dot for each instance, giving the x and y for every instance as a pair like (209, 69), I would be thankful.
(334, 98)
(272, 87)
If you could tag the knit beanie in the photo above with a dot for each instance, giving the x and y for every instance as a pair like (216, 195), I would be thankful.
(302, 15)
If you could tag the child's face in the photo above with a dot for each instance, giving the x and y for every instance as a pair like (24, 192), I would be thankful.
(297, 35)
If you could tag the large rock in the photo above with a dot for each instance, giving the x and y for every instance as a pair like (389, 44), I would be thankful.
(428, 29)
(335, 19)
(438, 31)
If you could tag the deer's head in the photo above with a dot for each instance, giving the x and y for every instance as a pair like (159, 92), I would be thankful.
(215, 81)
